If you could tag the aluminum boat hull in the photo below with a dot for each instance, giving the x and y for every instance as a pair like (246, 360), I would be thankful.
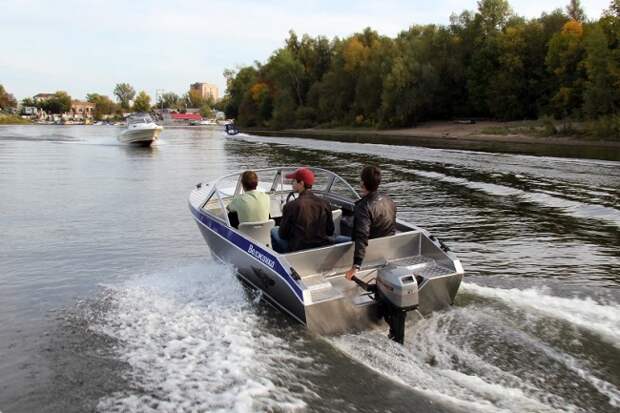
(310, 285)
(268, 275)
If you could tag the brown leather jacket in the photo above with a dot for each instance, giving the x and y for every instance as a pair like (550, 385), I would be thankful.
(374, 217)
(306, 222)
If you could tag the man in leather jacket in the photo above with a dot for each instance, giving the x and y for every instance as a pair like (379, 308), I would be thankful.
(307, 221)
(374, 216)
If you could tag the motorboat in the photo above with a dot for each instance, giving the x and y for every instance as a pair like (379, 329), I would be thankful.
(141, 130)
(411, 270)
(231, 129)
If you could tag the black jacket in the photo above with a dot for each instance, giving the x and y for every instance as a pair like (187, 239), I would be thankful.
(374, 217)
(306, 222)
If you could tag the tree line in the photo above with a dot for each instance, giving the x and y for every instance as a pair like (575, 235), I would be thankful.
(488, 63)
(126, 100)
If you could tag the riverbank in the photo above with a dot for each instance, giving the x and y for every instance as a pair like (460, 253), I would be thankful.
(486, 136)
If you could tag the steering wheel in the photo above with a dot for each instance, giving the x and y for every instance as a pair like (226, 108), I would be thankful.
(291, 197)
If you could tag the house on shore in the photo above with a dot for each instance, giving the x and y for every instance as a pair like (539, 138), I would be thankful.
(80, 111)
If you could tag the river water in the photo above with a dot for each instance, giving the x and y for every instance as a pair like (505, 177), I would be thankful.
(111, 302)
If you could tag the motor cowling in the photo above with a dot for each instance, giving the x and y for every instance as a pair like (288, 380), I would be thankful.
(398, 286)
(396, 293)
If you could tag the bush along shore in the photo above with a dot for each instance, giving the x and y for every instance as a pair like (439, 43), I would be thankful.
(13, 120)
(489, 63)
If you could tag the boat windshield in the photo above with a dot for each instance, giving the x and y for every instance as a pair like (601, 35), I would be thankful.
(139, 119)
(273, 180)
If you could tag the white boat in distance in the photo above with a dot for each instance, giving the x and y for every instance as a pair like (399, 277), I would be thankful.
(141, 130)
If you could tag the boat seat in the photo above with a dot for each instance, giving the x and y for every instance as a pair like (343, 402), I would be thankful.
(259, 231)
(275, 206)
(337, 216)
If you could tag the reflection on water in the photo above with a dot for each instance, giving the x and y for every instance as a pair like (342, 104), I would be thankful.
(111, 301)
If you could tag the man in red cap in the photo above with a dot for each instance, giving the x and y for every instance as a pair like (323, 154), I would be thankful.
(307, 221)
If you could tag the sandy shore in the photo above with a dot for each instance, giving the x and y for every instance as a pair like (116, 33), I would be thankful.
(451, 135)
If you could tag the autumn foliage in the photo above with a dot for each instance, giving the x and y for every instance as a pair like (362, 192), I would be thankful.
(487, 63)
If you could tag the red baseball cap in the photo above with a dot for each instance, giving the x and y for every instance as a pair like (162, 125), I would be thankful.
(302, 174)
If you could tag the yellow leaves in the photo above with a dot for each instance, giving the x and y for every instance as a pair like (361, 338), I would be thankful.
(355, 54)
(563, 96)
(257, 90)
(573, 28)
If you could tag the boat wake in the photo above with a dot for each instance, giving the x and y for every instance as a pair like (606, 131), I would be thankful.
(547, 199)
(587, 314)
(487, 359)
(194, 342)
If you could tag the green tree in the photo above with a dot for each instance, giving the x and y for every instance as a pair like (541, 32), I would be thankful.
(194, 99)
(488, 22)
(103, 105)
(207, 112)
(613, 10)
(575, 11)
(408, 92)
(287, 73)
(59, 103)
(125, 93)
(237, 84)
(565, 61)
(28, 102)
(168, 100)
(142, 102)
(602, 63)
(493, 15)
(508, 85)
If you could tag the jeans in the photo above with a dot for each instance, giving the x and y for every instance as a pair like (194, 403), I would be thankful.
(279, 244)
(339, 239)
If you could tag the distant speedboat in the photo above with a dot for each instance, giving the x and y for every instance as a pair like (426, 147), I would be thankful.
(141, 130)
(231, 129)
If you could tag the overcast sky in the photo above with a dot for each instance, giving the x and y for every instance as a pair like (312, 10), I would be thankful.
(90, 45)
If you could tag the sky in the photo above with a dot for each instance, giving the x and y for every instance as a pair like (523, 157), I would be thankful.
(88, 46)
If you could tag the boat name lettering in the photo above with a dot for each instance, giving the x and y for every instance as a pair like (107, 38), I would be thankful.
(262, 258)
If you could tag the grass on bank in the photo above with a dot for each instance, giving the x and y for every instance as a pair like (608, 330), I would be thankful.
(604, 128)
(6, 119)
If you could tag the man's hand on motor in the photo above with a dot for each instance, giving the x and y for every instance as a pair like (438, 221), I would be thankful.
(351, 273)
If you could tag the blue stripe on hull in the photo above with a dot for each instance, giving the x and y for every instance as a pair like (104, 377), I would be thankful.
(249, 248)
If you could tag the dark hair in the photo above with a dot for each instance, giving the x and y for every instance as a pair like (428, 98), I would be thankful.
(306, 186)
(371, 177)
(249, 180)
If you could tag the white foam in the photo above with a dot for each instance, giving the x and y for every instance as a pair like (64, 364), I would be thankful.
(194, 347)
(462, 357)
(483, 388)
(601, 319)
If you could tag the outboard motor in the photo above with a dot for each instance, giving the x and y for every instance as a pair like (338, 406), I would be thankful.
(396, 293)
